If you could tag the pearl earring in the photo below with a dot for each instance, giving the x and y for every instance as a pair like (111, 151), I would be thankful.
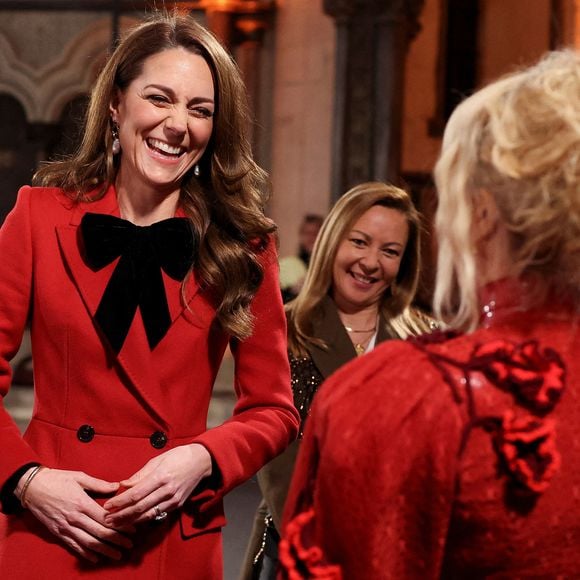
(196, 170)
(116, 148)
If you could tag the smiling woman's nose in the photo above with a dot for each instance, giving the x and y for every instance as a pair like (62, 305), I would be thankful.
(369, 261)
(176, 121)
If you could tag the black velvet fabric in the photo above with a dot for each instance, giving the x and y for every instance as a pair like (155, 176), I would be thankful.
(169, 245)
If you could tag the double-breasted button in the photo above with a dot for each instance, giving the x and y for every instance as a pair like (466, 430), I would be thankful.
(158, 440)
(85, 433)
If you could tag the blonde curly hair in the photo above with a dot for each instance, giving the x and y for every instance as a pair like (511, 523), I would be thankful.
(518, 139)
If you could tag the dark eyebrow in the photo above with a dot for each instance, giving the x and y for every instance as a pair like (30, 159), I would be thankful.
(171, 93)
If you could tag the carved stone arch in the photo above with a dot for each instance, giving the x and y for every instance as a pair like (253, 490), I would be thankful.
(16, 77)
(16, 154)
(44, 91)
(79, 65)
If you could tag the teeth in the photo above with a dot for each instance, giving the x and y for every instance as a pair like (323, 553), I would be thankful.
(165, 147)
(362, 278)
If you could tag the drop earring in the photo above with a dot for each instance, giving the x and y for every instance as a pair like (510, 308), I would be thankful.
(196, 170)
(116, 148)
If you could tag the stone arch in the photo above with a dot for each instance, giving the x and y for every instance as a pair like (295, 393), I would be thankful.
(17, 159)
(44, 91)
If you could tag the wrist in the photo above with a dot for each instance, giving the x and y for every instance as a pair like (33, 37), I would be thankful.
(202, 456)
(24, 482)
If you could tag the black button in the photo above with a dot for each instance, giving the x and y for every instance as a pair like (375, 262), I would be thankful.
(85, 433)
(158, 440)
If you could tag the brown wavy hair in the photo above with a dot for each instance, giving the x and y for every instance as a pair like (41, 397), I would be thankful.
(225, 203)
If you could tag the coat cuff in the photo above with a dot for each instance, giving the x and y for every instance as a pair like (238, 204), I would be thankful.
(207, 489)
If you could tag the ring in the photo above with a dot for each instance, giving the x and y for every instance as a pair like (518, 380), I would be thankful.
(159, 515)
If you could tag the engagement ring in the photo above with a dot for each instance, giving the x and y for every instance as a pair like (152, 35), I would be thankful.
(159, 515)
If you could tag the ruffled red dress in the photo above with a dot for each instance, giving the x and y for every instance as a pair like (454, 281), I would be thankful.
(455, 456)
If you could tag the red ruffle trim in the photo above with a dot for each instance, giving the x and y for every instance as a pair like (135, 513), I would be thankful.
(527, 444)
(298, 557)
(535, 375)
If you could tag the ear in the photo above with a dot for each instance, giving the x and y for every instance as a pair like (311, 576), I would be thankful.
(114, 107)
(486, 216)
(491, 238)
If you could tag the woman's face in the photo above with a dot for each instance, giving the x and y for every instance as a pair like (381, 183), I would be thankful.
(165, 119)
(368, 258)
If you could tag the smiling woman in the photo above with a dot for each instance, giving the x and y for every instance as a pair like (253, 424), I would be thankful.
(357, 294)
(138, 259)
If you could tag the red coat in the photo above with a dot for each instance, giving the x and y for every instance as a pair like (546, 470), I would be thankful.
(138, 403)
(456, 458)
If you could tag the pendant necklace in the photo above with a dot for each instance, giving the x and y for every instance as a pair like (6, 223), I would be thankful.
(360, 347)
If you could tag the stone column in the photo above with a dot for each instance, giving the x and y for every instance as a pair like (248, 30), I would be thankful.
(372, 41)
(240, 25)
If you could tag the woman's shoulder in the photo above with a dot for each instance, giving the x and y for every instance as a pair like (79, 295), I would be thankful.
(43, 196)
(398, 374)
(390, 402)
(41, 205)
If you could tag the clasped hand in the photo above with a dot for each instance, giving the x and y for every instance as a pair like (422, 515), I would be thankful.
(164, 482)
(60, 500)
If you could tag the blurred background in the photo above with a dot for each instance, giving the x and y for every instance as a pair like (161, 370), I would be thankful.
(343, 91)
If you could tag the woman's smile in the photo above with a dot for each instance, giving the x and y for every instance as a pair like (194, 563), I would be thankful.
(165, 149)
(364, 281)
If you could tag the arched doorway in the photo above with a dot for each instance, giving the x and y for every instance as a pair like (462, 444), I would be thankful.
(17, 154)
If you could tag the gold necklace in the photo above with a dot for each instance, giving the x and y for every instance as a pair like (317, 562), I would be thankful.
(350, 329)
(360, 347)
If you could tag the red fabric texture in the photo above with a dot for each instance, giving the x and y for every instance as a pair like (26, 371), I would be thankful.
(454, 457)
(128, 397)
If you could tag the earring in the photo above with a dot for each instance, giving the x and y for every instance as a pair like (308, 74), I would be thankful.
(196, 170)
(116, 148)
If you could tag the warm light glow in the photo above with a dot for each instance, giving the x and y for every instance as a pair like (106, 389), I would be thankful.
(219, 4)
(186, 7)
(577, 24)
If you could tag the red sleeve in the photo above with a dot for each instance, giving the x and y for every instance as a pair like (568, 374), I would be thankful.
(264, 420)
(376, 474)
(15, 295)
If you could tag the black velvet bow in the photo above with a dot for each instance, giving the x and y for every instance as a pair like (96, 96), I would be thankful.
(137, 281)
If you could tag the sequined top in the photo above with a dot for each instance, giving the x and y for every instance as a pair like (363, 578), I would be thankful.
(306, 379)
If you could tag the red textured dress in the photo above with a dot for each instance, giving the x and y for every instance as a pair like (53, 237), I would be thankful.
(451, 457)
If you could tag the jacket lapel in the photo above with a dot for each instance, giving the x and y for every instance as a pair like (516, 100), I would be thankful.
(89, 283)
(176, 299)
(329, 328)
(340, 349)
(384, 331)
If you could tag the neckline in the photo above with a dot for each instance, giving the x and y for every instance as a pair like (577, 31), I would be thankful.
(512, 297)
